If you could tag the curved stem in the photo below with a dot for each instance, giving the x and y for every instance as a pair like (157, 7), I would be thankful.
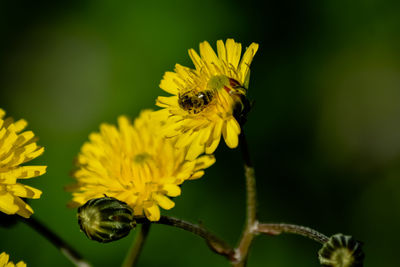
(251, 206)
(67, 250)
(216, 244)
(137, 246)
(279, 228)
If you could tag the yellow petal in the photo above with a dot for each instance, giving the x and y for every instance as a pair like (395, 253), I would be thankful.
(230, 135)
(233, 125)
(204, 162)
(183, 72)
(164, 202)
(25, 137)
(186, 139)
(244, 66)
(170, 83)
(213, 145)
(8, 142)
(25, 191)
(3, 256)
(197, 61)
(7, 204)
(24, 209)
(221, 50)
(214, 140)
(205, 134)
(171, 129)
(34, 154)
(21, 264)
(20, 125)
(163, 101)
(24, 172)
(195, 149)
(160, 115)
(152, 213)
(233, 52)
(218, 129)
(186, 170)
(30, 148)
(172, 190)
(196, 175)
(208, 55)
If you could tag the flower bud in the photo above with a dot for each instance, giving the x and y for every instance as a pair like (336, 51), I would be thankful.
(105, 219)
(341, 251)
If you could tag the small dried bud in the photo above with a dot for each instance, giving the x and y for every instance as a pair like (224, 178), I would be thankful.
(341, 251)
(105, 219)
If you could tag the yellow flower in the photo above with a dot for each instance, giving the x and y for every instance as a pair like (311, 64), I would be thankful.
(5, 263)
(205, 99)
(16, 148)
(136, 165)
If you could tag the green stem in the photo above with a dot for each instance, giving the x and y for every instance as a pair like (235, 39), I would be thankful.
(279, 228)
(137, 246)
(67, 250)
(249, 232)
(216, 244)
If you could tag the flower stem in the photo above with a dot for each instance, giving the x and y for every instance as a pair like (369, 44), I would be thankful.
(137, 246)
(216, 244)
(251, 206)
(279, 228)
(67, 250)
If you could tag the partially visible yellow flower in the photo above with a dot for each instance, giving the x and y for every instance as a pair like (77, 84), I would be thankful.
(204, 99)
(134, 164)
(5, 263)
(17, 147)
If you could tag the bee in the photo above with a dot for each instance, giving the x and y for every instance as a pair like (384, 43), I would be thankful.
(235, 88)
(242, 104)
(195, 102)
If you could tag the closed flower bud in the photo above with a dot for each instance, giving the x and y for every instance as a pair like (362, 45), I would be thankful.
(341, 251)
(105, 219)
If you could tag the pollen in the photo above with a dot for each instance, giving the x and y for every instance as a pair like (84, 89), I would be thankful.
(217, 82)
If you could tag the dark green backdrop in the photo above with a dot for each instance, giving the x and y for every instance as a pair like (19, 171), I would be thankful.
(324, 131)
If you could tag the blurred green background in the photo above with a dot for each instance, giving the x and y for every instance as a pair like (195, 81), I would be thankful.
(324, 132)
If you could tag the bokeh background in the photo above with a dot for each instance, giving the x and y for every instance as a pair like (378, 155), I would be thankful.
(324, 132)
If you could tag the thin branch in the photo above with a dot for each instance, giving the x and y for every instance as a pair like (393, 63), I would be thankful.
(216, 244)
(279, 228)
(251, 206)
(137, 246)
(67, 250)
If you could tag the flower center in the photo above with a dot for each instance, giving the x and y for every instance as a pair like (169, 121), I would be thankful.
(142, 157)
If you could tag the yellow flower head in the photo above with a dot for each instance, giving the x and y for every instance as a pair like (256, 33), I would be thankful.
(17, 147)
(204, 99)
(5, 263)
(134, 164)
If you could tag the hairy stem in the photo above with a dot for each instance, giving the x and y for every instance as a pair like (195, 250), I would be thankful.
(251, 207)
(67, 250)
(137, 246)
(279, 228)
(216, 244)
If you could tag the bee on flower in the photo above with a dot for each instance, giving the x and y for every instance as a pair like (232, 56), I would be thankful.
(207, 99)
(134, 164)
(16, 148)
